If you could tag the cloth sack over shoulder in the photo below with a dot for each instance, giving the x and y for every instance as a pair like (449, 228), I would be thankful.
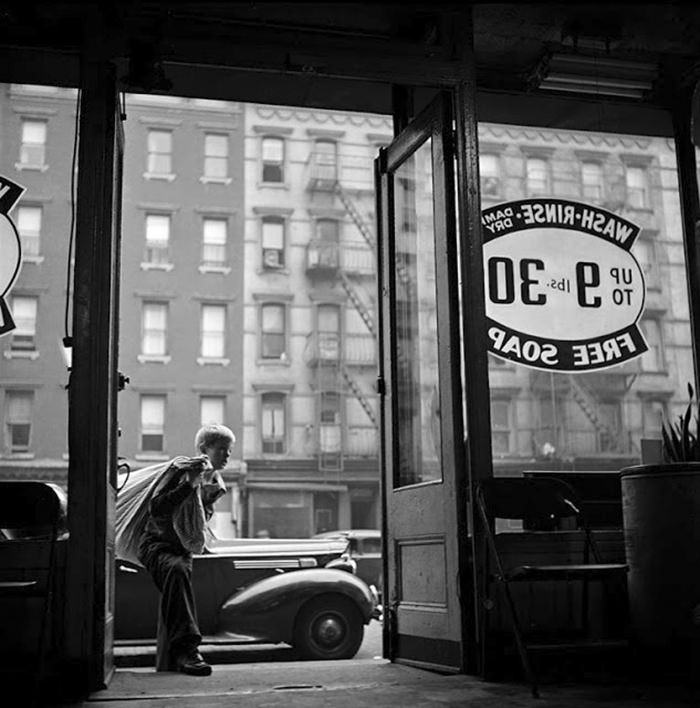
(132, 509)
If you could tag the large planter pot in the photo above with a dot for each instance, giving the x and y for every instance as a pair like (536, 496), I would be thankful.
(661, 520)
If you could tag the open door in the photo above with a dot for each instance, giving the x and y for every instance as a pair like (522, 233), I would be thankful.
(422, 429)
(94, 383)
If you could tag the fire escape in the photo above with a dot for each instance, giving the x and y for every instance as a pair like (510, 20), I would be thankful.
(332, 263)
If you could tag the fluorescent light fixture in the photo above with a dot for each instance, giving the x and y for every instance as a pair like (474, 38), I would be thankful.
(601, 76)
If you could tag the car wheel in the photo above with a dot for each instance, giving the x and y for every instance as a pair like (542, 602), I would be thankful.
(328, 628)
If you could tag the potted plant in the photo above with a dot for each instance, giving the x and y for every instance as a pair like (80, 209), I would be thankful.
(661, 523)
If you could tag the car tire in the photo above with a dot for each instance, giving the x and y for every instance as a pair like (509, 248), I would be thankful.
(328, 627)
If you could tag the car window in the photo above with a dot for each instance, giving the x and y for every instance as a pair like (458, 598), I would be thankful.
(372, 545)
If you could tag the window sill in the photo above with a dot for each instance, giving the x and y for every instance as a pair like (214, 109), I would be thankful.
(266, 270)
(10, 354)
(274, 362)
(223, 270)
(33, 168)
(33, 259)
(162, 177)
(216, 180)
(152, 359)
(19, 456)
(157, 266)
(273, 185)
(151, 456)
(205, 361)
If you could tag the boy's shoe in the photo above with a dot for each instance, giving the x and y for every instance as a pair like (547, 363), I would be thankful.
(193, 664)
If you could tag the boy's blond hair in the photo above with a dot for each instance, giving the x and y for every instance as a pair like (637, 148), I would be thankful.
(212, 433)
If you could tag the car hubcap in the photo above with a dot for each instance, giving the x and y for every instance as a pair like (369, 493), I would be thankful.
(329, 631)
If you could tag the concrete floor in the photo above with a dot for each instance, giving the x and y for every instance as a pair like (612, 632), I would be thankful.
(375, 683)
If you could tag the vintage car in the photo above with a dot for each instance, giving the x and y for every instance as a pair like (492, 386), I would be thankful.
(301, 592)
(365, 549)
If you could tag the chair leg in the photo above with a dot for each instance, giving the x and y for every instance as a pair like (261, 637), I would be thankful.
(519, 642)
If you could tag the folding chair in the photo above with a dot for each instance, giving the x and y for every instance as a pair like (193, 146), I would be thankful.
(542, 504)
(32, 519)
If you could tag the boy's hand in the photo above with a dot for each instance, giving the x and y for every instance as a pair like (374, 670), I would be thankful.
(196, 470)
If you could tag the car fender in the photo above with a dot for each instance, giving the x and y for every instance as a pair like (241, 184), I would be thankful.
(267, 609)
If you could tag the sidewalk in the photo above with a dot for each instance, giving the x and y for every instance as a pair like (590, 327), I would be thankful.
(349, 684)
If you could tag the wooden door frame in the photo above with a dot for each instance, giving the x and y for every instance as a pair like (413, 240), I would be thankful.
(93, 386)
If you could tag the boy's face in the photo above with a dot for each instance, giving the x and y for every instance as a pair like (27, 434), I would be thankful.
(218, 452)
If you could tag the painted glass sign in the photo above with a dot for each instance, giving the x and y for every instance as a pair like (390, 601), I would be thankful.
(563, 290)
(10, 249)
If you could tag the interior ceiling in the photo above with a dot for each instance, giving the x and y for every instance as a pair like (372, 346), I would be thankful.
(418, 42)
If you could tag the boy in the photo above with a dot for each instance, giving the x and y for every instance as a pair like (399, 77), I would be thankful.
(164, 555)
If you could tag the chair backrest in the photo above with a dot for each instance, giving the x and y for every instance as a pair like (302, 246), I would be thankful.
(537, 502)
(32, 509)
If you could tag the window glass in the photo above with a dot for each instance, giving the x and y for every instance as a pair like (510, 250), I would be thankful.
(152, 423)
(592, 181)
(18, 421)
(273, 331)
(213, 331)
(33, 147)
(537, 175)
(325, 159)
(212, 409)
(489, 172)
(273, 422)
(544, 419)
(636, 187)
(214, 238)
(216, 155)
(155, 316)
(272, 159)
(24, 311)
(160, 152)
(157, 239)
(29, 227)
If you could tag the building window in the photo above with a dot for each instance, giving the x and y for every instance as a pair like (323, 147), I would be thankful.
(645, 252)
(329, 332)
(29, 227)
(157, 239)
(33, 148)
(212, 409)
(490, 175)
(273, 423)
(154, 329)
(327, 243)
(653, 415)
(160, 152)
(592, 181)
(637, 187)
(610, 415)
(500, 426)
(18, 420)
(272, 159)
(213, 331)
(216, 156)
(214, 243)
(273, 331)
(653, 358)
(326, 159)
(537, 176)
(330, 422)
(24, 312)
(273, 242)
(152, 423)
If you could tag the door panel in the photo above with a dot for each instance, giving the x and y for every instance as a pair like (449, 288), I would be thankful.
(421, 415)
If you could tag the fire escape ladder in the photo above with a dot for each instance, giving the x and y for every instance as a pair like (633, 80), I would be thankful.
(330, 452)
(357, 392)
(588, 405)
(355, 215)
(357, 302)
